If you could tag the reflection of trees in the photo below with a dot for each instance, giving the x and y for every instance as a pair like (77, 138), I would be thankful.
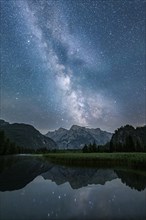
(16, 172)
(132, 179)
(7, 161)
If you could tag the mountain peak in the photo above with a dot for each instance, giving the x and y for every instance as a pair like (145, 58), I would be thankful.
(62, 129)
(75, 127)
(77, 136)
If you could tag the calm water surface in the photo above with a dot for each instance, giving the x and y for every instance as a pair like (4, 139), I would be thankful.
(32, 188)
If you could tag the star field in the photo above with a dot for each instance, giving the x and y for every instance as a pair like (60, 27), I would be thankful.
(70, 62)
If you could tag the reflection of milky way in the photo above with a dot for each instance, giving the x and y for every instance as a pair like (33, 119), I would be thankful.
(73, 62)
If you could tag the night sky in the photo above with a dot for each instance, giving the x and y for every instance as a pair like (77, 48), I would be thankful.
(71, 62)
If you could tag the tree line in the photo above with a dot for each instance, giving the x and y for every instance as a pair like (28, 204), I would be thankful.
(93, 147)
(130, 145)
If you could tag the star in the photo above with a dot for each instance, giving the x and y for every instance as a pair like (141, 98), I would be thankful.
(28, 41)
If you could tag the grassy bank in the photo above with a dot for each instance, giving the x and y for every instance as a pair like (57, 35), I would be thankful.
(129, 160)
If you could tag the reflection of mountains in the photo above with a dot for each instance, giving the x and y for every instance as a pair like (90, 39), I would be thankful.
(17, 172)
(79, 177)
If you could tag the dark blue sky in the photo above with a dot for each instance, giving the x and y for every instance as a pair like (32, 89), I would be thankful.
(73, 62)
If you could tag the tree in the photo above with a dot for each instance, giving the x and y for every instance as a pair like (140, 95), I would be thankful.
(130, 145)
(111, 146)
(8, 147)
(94, 147)
(2, 141)
(139, 146)
(85, 149)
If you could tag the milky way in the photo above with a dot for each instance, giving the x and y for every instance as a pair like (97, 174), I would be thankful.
(73, 62)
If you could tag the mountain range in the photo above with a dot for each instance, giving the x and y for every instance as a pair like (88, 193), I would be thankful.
(125, 138)
(76, 137)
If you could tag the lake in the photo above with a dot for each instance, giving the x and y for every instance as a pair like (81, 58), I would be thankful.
(33, 188)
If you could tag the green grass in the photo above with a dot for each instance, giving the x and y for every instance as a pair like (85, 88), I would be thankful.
(129, 160)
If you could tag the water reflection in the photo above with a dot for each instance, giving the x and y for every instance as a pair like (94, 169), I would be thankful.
(35, 189)
(132, 179)
(16, 172)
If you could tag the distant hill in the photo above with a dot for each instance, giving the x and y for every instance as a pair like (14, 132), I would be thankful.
(26, 136)
(77, 137)
(128, 138)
